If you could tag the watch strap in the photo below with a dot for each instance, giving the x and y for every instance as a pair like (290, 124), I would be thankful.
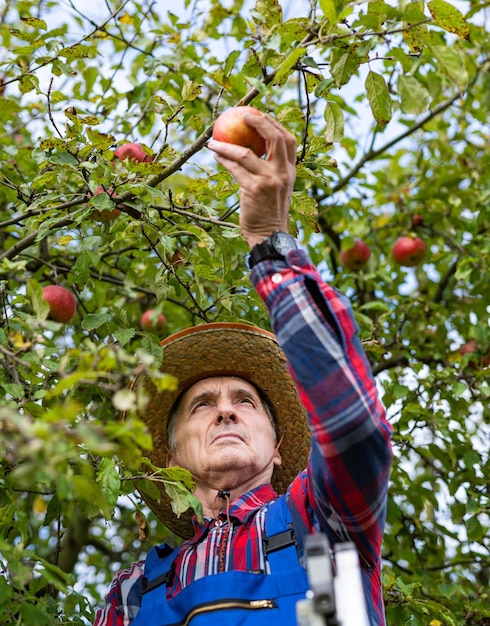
(261, 251)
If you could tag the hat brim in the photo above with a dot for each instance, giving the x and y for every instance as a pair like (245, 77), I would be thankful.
(230, 349)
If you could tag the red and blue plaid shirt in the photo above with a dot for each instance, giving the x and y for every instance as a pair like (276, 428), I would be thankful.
(343, 491)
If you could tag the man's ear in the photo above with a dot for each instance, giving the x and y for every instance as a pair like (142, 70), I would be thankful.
(277, 459)
(170, 462)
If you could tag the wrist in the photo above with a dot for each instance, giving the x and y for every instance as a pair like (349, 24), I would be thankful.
(277, 246)
(253, 239)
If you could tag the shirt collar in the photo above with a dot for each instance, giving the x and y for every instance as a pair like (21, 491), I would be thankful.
(241, 508)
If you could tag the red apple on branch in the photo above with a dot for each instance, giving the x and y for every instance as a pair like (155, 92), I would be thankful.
(408, 251)
(231, 127)
(152, 321)
(62, 303)
(355, 257)
(417, 220)
(472, 347)
(132, 151)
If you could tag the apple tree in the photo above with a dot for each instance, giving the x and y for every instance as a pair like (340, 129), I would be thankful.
(389, 102)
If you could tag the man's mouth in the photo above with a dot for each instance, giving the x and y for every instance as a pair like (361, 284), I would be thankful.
(227, 436)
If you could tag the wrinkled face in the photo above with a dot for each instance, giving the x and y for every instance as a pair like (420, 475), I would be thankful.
(222, 426)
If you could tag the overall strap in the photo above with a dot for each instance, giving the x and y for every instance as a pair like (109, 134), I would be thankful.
(280, 542)
(159, 567)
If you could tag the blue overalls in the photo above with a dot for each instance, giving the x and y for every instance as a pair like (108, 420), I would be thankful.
(233, 598)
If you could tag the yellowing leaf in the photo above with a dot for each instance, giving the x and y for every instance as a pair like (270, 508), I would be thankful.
(449, 17)
(435, 622)
(17, 341)
(191, 90)
(34, 22)
(39, 505)
(65, 239)
(382, 220)
(125, 19)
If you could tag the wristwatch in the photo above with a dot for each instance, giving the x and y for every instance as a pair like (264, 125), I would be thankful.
(274, 247)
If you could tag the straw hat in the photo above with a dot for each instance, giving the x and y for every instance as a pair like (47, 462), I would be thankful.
(232, 349)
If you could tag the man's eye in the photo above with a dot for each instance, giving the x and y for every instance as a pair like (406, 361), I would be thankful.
(249, 400)
(200, 405)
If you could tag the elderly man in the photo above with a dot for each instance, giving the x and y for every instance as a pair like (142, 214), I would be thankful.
(241, 422)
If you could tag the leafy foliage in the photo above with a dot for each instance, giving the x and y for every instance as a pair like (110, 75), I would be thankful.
(389, 103)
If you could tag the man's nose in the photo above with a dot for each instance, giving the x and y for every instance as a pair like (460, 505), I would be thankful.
(226, 414)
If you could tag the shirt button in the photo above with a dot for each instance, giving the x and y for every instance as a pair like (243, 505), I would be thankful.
(276, 278)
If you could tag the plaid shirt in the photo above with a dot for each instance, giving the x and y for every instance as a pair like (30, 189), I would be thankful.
(343, 491)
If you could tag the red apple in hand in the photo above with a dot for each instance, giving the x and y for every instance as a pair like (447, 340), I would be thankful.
(152, 321)
(230, 127)
(106, 215)
(133, 151)
(408, 251)
(355, 257)
(62, 303)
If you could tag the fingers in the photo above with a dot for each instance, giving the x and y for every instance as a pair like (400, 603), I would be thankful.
(281, 145)
(235, 157)
(241, 170)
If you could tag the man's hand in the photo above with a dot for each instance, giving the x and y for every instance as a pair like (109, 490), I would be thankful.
(266, 185)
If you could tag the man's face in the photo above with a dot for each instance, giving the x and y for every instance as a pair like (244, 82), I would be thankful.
(223, 432)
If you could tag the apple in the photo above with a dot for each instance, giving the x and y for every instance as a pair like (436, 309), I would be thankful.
(152, 321)
(62, 303)
(355, 257)
(408, 251)
(106, 215)
(230, 127)
(133, 151)
(417, 220)
(471, 347)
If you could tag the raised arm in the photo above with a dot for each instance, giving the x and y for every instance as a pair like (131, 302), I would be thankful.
(314, 324)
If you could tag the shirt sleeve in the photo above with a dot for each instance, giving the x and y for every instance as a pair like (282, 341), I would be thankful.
(348, 469)
(123, 599)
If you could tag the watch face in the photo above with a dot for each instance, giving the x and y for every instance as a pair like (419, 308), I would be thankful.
(283, 242)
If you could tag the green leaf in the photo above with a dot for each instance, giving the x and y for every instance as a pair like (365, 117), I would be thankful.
(124, 335)
(179, 497)
(91, 321)
(459, 388)
(334, 117)
(474, 529)
(344, 68)
(151, 344)
(81, 269)
(34, 615)
(451, 63)
(332, 9)
(13, 389)
(449, 17)
(379, 98)
(287, 65)
(39, 304)
(6, 592)
(413, 95)
(109, 480)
